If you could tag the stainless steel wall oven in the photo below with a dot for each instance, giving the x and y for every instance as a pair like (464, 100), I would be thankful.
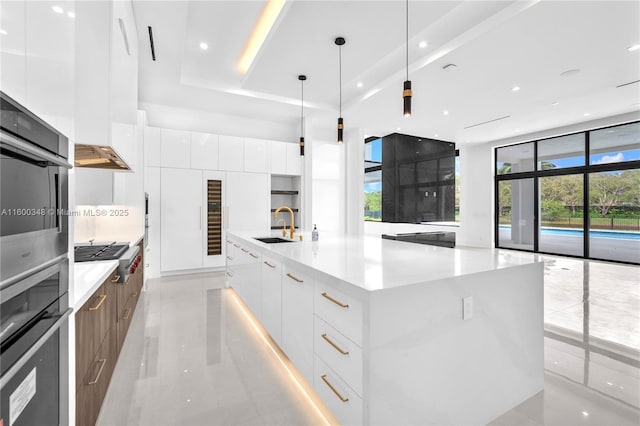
(34, 269)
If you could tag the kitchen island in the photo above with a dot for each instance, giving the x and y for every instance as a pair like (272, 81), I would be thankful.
(390, 332)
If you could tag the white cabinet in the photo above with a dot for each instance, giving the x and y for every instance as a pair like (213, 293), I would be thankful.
(175, 146)
(231, 153)
(248, 200)
(272, 297)
(297, 319)
(294, 160)
(255, 155)
(204, 151)
(13, 50)
(181, 219)
(152, 146)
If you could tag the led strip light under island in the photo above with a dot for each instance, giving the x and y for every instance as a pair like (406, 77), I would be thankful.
(389, 332)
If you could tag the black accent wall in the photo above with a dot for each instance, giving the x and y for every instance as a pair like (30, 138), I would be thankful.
(418, 179)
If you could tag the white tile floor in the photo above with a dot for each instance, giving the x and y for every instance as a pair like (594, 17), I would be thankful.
(190, 357)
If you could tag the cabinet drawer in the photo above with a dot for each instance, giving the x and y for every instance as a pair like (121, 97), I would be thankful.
(93, 384)
(342, 311)
(272, 298)
(124, 320)
(339, 353)
(343, 402)
(124, 292)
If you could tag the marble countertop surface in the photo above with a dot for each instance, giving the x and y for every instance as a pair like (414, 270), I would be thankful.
(373, 263)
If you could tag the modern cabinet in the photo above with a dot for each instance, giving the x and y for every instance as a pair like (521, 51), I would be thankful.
(96, 350)
(213, 237)
(181, 219)
(272, 297)
(297, 318)
(175, 147)
(248, 201)
(284, 158)
(256, 157)
(204, 151)
(152, 149)
(294, 160)
(231, 153)
(13, 50)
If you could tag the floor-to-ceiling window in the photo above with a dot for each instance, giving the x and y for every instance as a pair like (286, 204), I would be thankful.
(373, 179)
(576, 195)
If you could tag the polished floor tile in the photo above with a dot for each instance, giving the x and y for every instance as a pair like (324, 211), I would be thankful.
(191, 358)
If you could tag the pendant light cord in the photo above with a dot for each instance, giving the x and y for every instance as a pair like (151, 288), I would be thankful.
(407, 8)
(302, 108)
(340, 66)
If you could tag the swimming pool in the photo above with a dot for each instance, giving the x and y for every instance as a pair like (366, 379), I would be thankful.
(616, 235)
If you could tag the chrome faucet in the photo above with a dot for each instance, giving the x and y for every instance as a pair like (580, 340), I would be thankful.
(292, 228)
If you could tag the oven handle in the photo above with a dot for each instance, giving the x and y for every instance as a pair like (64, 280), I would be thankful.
(17, 143)
(23, 281)
(33, 349)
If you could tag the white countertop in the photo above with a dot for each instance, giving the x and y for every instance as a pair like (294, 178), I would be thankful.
(88, 276)
(373, 263)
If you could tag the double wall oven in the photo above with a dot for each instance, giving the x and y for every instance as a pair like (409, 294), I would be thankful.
(34, 269)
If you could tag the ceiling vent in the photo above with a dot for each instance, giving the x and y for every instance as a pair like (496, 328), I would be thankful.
(627, 84)
(487, 122)
(153, 49)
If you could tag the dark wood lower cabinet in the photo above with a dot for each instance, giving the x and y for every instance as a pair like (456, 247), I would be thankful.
(101, 327)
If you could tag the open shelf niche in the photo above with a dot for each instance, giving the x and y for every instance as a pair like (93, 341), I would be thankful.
(285, 191)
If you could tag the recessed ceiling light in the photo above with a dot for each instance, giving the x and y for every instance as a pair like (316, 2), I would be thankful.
(203, 45)
(359, 84)
(397, 128)
(423, 44)
(570, 73)
(584, 413)
(556, 103)
(633, 48)
(586, 114)
(445, 112)
(435, 136)
(3, 31)
(515, 88)
(71, 14)
(57, 9)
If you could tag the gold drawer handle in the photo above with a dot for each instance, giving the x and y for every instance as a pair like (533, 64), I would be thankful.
(324, 379)
(245, 250)
(298, 280)
(253, 255)
(269, 265)
(326, 296)
(229, 257)
(94, 381)
(102, 299)
(336, 347)
(126, 316)
(115, 278)
(229, 273)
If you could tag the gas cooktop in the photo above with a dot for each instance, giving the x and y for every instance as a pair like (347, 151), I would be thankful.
(99, 252)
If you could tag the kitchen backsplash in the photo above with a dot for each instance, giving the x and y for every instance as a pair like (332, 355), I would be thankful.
(107, 223)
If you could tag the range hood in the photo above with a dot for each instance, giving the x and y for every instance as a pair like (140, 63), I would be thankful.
(99, 157)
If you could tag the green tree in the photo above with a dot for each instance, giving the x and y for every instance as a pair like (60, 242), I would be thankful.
(504, 196)
(607, 190)
(373, 201)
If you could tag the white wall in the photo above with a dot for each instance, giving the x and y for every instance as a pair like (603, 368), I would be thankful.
(476, 196)
(327, 186)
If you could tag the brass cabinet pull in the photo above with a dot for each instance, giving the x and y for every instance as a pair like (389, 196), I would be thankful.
(253, 255)
(269, 265)
(126, 316)
(102, 299)
(103, 362)
(336, 347)
(115, 278)
(229, 273)
(245, 250)
(324, 379)
(326, 296)
(229, 257)
(298, 280)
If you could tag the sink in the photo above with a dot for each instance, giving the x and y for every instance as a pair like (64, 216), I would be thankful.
(272, 240)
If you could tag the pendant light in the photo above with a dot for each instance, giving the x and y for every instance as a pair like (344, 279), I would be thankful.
(340, 41)
(302, 78)
(406, 92)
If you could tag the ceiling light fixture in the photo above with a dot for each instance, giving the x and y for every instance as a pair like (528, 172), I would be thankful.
(302, 78)
(556, 103)
(340, 41)
(267, 18)
(515, 88)
(3, 31)
(423, 44)
(406, 92)
(359, 84)
(586, 114)
(633, 48)
(445, 112)
(71, 14)
(203, 45)
(57, 9)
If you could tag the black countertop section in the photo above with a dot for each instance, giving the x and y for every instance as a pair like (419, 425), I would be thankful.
(439, 238)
